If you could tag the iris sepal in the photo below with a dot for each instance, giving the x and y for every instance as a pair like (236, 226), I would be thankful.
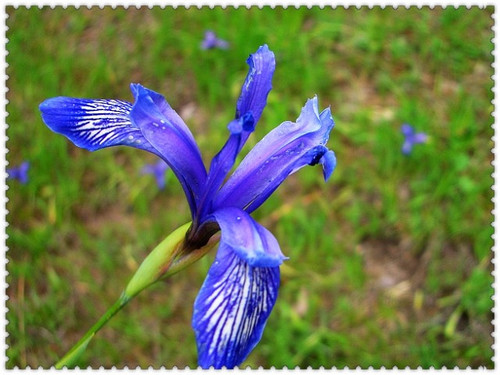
(232, 308)
(94, 124)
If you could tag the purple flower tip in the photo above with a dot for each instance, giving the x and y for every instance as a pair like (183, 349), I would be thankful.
(19, 172)
(411, 138)
(211, 41)
(158, 170)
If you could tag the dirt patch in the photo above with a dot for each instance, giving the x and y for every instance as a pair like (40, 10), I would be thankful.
(390, 266)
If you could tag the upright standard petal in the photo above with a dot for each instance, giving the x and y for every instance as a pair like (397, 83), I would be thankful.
(223, 162)
(280, 153)
(251, 103)
(232, 308)
(162, 127)
(93, 123)
(258, 83)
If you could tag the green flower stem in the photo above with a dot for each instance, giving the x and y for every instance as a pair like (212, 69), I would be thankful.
(76, 351)
(165, 260)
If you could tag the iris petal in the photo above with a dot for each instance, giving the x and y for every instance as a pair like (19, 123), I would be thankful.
(166, 110)
(232, 308)
(257, 84)
(251, 103)
(247, 238)
(93, 123)
(19, 173)
(223, 162)
(420, 138)
(166, 132)
(407, 147)
(407, 130)
(280, 153)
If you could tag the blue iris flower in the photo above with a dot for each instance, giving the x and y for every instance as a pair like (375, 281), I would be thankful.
(211, 41)
(19, 172)
(241, 287)
(411, 138)
(158, 171)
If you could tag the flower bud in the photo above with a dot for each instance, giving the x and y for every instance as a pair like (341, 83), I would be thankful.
(158, 261)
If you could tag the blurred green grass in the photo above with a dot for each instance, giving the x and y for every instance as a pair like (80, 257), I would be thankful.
(390, 261)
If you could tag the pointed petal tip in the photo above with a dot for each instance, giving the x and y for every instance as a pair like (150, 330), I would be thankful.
(258, 83)
(326, 117)
(266, 58)
(134, 87)
(139, 90)
(264, 49)
(327, 122)
(309, 110)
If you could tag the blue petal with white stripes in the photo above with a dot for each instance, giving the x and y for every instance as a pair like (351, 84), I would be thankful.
(149, 124)
(232, 308)
(93, 123)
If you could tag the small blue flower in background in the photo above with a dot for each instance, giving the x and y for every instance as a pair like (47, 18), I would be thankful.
(242, 284)
(212, 41)
(19, 173)
(158, 170)
(411, 138)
